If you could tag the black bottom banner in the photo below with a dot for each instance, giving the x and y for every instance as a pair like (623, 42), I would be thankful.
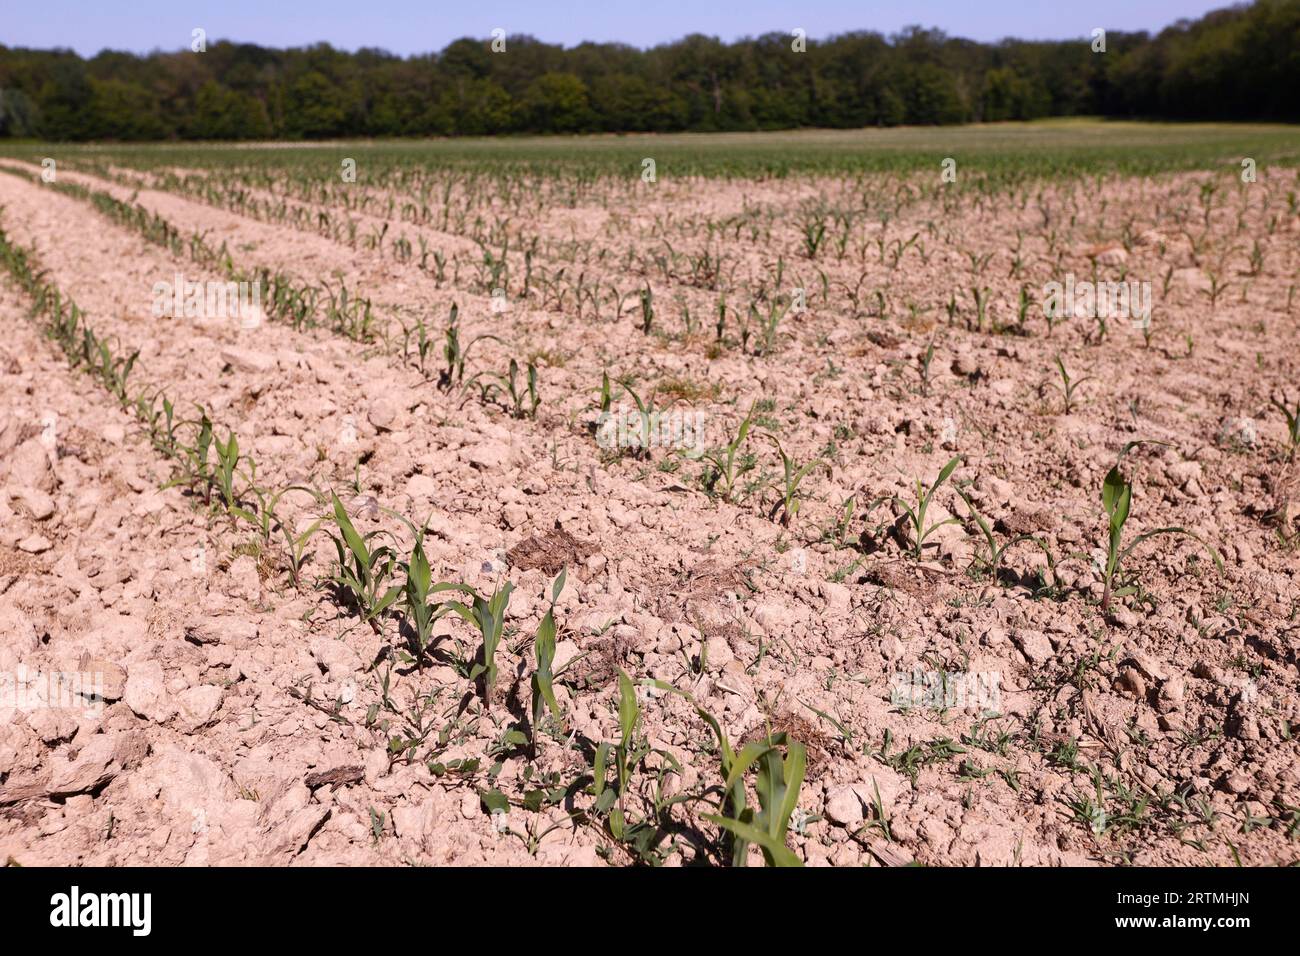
(333, 906)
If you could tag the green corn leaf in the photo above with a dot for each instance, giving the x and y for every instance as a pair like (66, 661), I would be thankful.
(793, 769)
(1214, 555)
(1113, 490)
(750, 753)
(356, 544)
(599, 763)
(628, 708)
(776, 853)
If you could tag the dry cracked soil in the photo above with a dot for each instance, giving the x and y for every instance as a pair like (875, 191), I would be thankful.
(952, 712)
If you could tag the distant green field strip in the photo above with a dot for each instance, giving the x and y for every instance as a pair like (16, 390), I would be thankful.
(1000, 151)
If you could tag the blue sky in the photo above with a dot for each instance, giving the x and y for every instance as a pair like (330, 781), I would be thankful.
(411, 26)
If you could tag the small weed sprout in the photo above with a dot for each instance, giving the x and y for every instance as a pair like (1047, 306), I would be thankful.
(997, 552)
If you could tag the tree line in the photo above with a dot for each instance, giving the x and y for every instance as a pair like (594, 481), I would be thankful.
(1237, 63)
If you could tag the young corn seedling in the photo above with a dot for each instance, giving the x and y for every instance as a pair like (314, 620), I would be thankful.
(646, 417)
(265, 518)
(605, 426)
(421, 614)
(606, 393)
(228, 458)
(814, 231)
(726, 468)
(1098, 335)
(837, 532)
(787, 504)
(979, 261)
(647, 309)
(424, 343)
(688, 320)
(1292, 424)
(456, 354)
(523, 401)
(980, 296)
(1256, 259)
(543, 676)
(777, 780)
(1068, 385)
(1216, 289)
(362, 569)
(1117, 499)
(1022, 309)
(915, 514)
(350, 317)
(1147, 332)
(777, 785)
(295, 548)
(488, 617)
(923, 367)
(146, 411)
(195, 472)
(114, 371)
(626, 753)
(163, 434)
(768, 325)
(640, 837)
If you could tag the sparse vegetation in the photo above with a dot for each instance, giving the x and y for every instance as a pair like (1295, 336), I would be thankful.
(428, 344)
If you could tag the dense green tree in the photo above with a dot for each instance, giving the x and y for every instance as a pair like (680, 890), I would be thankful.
(18, 114)
(930, 95)
(65, 101)
(220, 113)
(1238, 63)
(123, 110)
(631, 103)
(315, 107)
(476, 108)
(557, 103)
(1009, 96)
